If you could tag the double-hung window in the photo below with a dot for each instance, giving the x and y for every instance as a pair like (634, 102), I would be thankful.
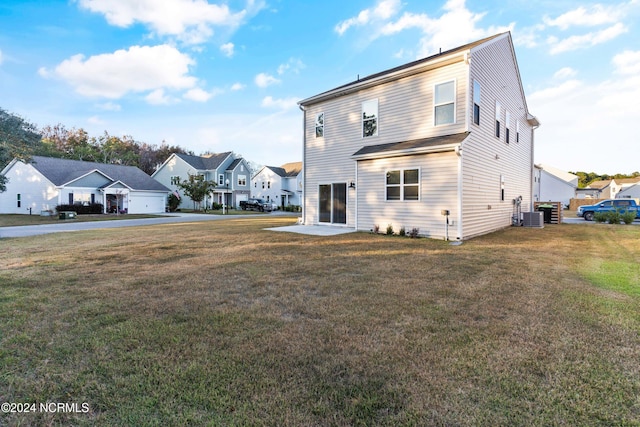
(507, 127)
(370, 118)
(221, 179)
(175, 180)
(444, 95)
(242, 180)
(319, 125)
(476, 102)
(403, 184)
(498, 119)
(517, 131)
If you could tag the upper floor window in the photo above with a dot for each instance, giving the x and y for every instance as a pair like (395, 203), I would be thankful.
(444, 102)
(19, 204)
(370, 118)
(497, 119)
(476, 102)
(517, 131)
(221, 179)
(319, 125)
(242, 180)
(507, 127)
(403, 184)
(175, 180)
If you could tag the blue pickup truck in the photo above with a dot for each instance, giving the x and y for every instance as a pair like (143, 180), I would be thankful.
(621, 205)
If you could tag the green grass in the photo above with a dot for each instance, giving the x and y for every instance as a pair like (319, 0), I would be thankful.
(224, 323)
(11, 220)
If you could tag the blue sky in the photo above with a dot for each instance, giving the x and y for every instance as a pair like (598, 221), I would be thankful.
(226, 76)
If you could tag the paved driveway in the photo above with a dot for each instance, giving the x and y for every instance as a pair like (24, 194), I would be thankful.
(65, 226)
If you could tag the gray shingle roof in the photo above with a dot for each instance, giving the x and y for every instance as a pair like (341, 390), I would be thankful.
(415, 145)
(63, 171)
(205, 163)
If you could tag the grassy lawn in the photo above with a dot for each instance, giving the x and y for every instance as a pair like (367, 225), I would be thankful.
(224, 323)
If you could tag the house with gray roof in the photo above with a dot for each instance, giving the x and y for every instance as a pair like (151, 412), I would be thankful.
(553, 185)
(230, 173)
(280, 185)
(442, 145)
(46, 182)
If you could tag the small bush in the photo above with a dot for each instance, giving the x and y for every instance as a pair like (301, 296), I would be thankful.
(601, 217)
(375, 229)
(173, 201)
(402, 232)
(614, 217)
(414, 232)
(389, 230)
(628, 217)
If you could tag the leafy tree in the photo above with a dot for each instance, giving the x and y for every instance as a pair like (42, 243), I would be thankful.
(197, 188)
(18, 138)
(58, 141)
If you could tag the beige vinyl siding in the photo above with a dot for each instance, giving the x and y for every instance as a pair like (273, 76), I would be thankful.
(484, 157)
(405, 112)
(438, 191)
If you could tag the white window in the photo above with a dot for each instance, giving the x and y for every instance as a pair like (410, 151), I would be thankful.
(242, 180)
(498, 119)
(444, 95)
(502, 188)
(370, 118)
(507, 121)
(221, 179)
(175, 180)
(476, 102)
(517, 131)
(403, 184)
(319, 125)
(18, 200)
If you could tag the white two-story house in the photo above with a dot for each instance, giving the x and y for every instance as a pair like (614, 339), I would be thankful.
(443, 145)
(281, 186)
(230, 173)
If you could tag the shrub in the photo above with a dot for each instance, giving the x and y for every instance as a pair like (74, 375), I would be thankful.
(375, 229)
(389, 230)
(601, 217)
(93, 208)
(628, 217)
(415, 231)
(402, 232)
(614, 217)
(173, 201)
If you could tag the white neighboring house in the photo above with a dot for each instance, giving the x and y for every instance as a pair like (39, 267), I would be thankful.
(230, 173)
(630, 189)
(448, 134)
(281, 186)
(554, 185)
(47, 182)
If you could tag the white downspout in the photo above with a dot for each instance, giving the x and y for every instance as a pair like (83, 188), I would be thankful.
(304, 162)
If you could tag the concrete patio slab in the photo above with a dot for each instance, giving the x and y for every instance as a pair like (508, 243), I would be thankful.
(314, 230)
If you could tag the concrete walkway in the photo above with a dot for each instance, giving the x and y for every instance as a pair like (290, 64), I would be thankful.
(314, 230)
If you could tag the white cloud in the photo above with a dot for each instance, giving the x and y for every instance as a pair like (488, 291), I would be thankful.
(95, 120)
(594, 16)
(586, 40)
(564, 73)
(264, 80)
(383, 10)
(237, 86)
(627, 62)
(294, 65)
(227, 49)
(137, 69)
(191, 21)
(283, 104)
(158, 97)
(200, 95)
(579, 118)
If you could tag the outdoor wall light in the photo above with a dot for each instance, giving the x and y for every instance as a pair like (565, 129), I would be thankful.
(352, 184)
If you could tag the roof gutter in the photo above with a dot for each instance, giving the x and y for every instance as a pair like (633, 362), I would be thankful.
(408, 152)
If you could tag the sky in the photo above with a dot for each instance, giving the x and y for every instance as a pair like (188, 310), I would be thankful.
(215, 76)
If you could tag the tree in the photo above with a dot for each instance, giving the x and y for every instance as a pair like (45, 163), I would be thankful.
(75, 144)
(18, 138)
(197, 188)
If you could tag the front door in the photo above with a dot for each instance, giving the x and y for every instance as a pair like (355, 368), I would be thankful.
(333, 203)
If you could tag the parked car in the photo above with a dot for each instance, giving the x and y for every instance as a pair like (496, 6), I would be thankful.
(256, 204)
(622, 205)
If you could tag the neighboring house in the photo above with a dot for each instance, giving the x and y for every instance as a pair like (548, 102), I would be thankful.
(601, 189)
(631, 192)
(554, 185)
(280, 185)
(450, 133)
(230, 173)
(47, 182)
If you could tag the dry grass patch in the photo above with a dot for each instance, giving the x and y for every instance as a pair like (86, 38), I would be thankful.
(226, 323)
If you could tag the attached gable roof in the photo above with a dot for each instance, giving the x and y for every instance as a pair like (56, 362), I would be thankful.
(416, 146)
(395, 73)
(288, 170)
(211, 162)
(63, 171)
(234, 164)
(560, 174)
(601, 184)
